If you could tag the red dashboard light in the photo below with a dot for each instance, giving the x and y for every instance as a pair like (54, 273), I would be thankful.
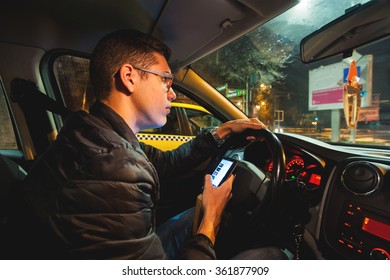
(315, 179)
(376, 228)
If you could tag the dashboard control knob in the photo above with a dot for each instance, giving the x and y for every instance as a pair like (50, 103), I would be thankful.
(379, 254)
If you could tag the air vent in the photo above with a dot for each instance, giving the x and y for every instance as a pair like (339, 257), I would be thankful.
(361, 178)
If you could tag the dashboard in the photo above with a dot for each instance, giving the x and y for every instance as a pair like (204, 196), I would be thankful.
(304, 170)
(342, 195)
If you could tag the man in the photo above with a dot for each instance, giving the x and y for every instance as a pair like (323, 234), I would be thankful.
(93, 193)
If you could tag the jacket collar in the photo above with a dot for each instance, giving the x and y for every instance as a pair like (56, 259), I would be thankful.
(115, 121)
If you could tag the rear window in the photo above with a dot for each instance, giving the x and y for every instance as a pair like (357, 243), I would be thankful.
(72, 76)
(7, 134)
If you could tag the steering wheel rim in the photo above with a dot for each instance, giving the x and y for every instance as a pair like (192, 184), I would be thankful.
(278, 159)
(276, 179)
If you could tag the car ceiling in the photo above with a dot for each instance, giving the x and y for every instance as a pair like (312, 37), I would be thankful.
(190, 28)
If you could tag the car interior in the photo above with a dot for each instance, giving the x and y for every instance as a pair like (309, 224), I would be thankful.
(314, 199)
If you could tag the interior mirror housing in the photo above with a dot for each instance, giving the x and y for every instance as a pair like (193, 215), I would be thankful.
(359, 25)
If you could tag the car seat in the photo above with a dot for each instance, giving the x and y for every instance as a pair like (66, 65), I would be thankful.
(11, 177)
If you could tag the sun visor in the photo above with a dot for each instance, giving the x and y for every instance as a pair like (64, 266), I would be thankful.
(206, 23)
(212, 24)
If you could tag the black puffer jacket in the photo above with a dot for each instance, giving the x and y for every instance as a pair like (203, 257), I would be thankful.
(93, 194)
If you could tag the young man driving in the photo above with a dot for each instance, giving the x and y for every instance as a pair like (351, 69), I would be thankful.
(93, 193)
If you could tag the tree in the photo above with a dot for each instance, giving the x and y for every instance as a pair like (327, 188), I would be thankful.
(258, 57)
(263, 103)
(260, 51)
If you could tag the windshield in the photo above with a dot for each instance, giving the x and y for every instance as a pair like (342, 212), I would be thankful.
(262, 74)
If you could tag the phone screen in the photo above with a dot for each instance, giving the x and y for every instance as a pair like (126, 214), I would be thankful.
(224, 168)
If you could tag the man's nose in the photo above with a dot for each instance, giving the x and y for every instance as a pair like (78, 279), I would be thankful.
(171, 94)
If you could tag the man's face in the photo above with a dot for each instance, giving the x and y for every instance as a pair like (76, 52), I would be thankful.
(153, 99)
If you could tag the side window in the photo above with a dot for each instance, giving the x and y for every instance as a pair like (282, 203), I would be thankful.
(72, 76)
(198, 120)
(7, 134)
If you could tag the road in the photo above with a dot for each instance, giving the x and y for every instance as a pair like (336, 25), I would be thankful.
(363, 136)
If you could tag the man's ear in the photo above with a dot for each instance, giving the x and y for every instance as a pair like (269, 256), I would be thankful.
(126, 77)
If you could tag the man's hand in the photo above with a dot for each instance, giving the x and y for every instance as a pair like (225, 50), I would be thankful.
(214, 202)
(238, 126)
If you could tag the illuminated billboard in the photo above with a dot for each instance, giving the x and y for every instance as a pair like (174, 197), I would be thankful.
(326, 84)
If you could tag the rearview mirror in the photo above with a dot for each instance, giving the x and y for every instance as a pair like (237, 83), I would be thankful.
(360, 25)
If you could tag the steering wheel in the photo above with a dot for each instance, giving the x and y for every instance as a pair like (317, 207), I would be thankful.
(255, 191)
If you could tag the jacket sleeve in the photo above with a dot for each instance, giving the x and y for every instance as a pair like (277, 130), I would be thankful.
(198, 247)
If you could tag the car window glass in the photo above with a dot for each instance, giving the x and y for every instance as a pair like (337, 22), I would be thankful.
(72, 76)
(199, 120)
(7, 134)
(262, 74)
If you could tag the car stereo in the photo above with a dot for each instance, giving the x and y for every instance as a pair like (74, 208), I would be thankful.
(363, 234)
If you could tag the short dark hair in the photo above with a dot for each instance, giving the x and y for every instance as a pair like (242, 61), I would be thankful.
(118, 48)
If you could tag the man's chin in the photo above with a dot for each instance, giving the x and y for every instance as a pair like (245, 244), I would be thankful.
(160, 124)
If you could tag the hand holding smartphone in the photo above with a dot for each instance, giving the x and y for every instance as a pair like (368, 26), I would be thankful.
(222, 171)
(219, 174)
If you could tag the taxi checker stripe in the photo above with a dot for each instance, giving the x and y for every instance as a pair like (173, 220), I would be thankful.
(164, 137)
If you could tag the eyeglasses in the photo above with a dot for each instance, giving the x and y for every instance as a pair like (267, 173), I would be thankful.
(167, 78)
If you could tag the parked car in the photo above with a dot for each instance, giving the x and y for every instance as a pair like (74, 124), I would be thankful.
(315, 193)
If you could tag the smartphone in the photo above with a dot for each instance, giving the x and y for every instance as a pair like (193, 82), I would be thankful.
(222, 171)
